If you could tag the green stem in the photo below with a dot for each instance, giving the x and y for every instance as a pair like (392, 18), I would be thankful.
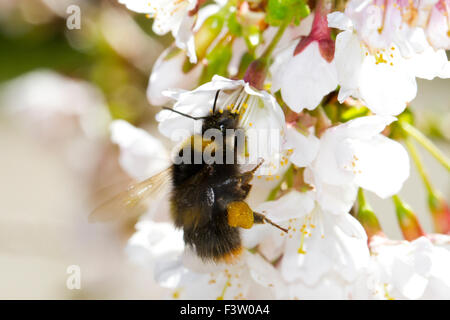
(426, 143)
(362, 199)
(397, 200)
(418, 162)
(367, 217)
(268, 52)
(256, 72)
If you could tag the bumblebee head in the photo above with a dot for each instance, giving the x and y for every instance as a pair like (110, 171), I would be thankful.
(221, 120)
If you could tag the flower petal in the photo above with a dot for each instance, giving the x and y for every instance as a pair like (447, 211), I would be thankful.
(339, 21)
(304, 148)
(382, 166)
(306, 78)
(141, 155)
(290, 206)
(167, 73)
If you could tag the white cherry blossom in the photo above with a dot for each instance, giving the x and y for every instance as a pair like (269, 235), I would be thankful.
(351, 155)
(379, 23)
(324, 255)
(381, 77)
(160, 247)
(305, 70)
(168, 15)
(304, 78)
(173, 16)
(260, 116)
(381, 47)
(168, 73)
(411, 270)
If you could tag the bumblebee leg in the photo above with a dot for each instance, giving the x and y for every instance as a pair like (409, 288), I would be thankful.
(247, 176)
(260, 218)
(240, 215)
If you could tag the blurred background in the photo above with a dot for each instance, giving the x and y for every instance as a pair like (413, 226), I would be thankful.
(59, 90)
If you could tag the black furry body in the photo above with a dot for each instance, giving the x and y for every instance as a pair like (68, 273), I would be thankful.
(201, 193)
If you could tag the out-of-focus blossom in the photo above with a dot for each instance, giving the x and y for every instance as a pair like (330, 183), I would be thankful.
(352, 155)
(259, 114)
(438, 25)
(168, 15)
(64, 112)
(174, 16)
(410, 270)
(141, 154)
(382, 78)
(168, 73)
(44, 96)
(128, 39)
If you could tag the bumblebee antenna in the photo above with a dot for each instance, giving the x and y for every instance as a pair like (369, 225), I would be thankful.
(215, 100)
(191, 117)
(184, 114)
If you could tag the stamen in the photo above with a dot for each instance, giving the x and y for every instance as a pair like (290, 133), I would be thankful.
(386, 292)
(302, 242)
(176, 294)
(225, 287)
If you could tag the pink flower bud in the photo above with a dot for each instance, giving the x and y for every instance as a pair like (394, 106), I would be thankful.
(440, 213)
(409, 224)
(256, 74)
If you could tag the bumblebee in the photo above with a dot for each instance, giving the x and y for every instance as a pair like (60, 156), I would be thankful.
(207, 200)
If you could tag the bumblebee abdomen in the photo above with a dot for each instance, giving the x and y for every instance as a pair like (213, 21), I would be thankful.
(215, 241)
(199, 208)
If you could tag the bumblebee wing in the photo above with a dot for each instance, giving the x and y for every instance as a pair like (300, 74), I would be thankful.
(133, 201)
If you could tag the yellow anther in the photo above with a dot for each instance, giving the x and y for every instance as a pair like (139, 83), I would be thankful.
(302, 242)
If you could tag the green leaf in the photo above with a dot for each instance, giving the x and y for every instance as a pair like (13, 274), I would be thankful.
(277, 12)
(234, 27)
(280, 11)
(218, 60)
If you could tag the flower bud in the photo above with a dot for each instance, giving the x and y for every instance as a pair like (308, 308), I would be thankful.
(256, 73)
(369, 221)
(440, 213)
(367, 217)
(218, 59)
(209, 30)
(207, 33)
(409, 224)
